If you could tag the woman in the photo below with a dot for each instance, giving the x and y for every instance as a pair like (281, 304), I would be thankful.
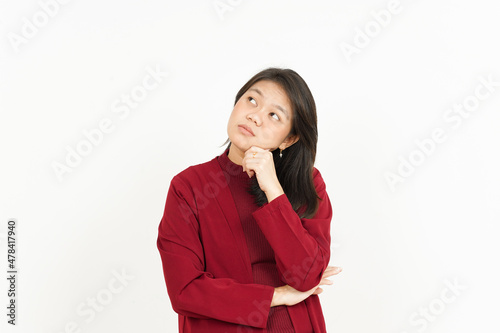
(245, 237)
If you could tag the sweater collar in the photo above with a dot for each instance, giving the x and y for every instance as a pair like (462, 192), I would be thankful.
(230, 168)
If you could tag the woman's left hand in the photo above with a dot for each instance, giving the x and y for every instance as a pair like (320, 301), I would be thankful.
(260, 162)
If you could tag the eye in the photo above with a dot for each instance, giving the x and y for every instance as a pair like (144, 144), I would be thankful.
(277, 117)
(252, 100)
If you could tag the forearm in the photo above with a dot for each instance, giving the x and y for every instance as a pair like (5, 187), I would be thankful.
(301, 247)
(222, 299)
(286, 295)
(274, 193)
(276, 298)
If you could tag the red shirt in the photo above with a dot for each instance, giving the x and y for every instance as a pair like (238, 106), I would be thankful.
(261, 253)
(208, 270)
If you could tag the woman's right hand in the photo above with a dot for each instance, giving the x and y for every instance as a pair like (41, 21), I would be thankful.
(287, 295)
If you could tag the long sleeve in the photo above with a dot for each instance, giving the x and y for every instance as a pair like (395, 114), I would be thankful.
(301, 246)
(194, 292)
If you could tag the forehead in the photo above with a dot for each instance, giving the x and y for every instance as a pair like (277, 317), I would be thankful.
(273, 93)
(270, 89)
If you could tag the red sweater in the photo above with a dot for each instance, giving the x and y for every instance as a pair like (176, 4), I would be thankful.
(261, 253)
(206, 260)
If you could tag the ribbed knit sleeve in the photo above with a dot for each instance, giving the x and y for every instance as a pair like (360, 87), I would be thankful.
(301, 246)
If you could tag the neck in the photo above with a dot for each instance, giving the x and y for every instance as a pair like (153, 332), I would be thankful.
(235, 155)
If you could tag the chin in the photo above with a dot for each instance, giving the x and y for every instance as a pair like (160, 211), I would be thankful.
(241, 143)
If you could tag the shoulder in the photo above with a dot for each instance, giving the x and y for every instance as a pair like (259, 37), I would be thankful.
(195, 175)
(319, 183)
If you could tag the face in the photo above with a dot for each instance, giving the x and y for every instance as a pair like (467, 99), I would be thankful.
(266, 111)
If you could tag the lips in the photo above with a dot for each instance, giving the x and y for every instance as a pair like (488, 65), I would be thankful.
(248, 129)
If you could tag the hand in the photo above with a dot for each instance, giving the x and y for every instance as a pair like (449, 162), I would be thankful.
(260, 162)
(287, 295)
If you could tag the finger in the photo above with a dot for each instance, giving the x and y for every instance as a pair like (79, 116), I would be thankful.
(250, 153)
(326, 281)
(333, 267)
(328, 273)
(317, 291)
(252, 157)
(248, 163)
(257, 148)
(252, 164)
(332, 270)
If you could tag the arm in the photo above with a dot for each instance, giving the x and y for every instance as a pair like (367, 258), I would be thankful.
(301, 246)
(192, 291)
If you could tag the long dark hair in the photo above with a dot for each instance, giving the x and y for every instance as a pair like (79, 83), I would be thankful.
(294, 169)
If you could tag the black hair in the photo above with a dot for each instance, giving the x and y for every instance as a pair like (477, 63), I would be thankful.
(294, 170)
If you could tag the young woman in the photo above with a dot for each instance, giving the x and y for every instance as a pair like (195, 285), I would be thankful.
(245, 237)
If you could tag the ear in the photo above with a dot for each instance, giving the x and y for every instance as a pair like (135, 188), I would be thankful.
(288, 142)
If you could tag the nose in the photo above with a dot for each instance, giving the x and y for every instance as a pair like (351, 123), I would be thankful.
(255, 117)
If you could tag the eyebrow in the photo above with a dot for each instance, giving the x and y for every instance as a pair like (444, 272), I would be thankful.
(274, 105)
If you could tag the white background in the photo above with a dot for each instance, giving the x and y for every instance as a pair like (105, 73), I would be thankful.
(399, 249)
